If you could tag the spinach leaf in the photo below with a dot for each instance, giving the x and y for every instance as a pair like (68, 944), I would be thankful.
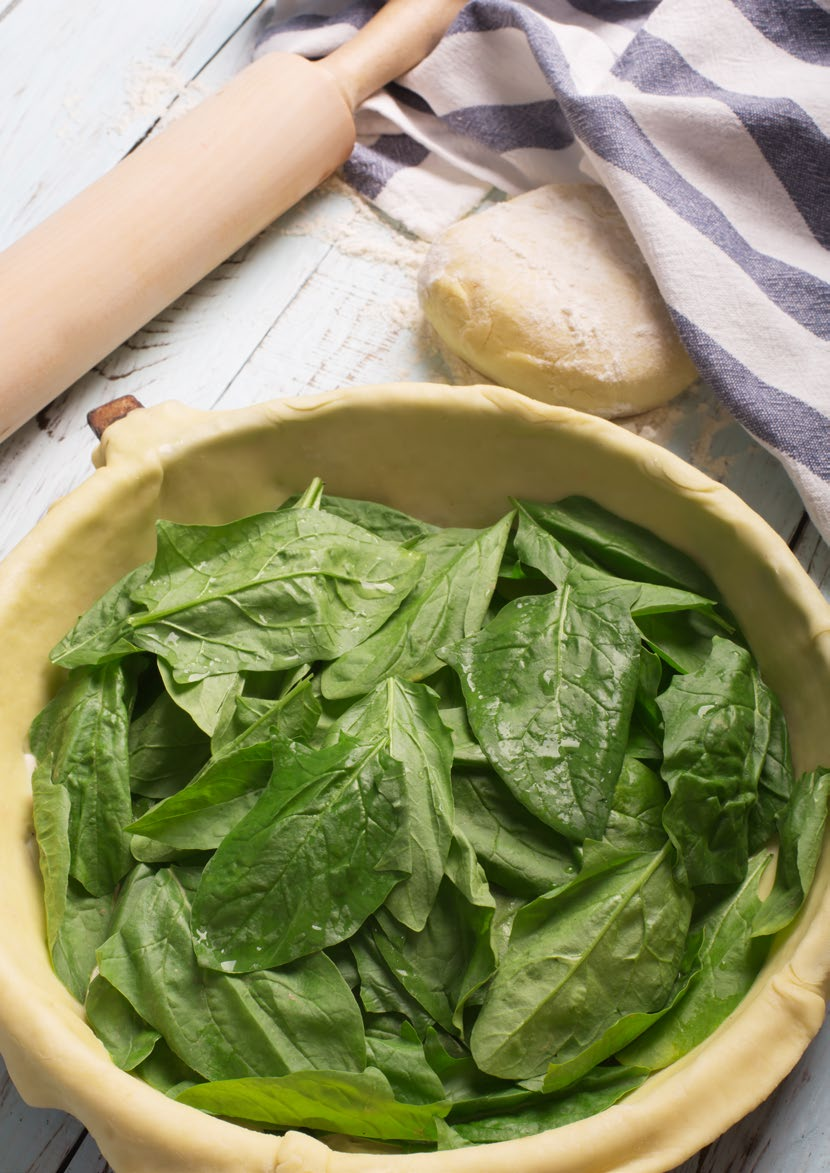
(466, 750)
(51, 809)
(341, 804)
(449, 603)
(200, 816)
(388, 523)
(294, 713)
(381, 993)
(124, 1033)
(645, 735)
(636, 819)
(312, 497)
(717, 728)
(205, 700)
(165, 1071)
(801, 833)
(650, 675)
(507, 907)
(726, 964)
(498, 1109)
(618, 546)
(166, 749)
(226, 1026)
(453, 712)
(596, 1091)
(84, 927)
(102, 633)
(606, 946)
(618, 1034)
(683, 641)
(358, 1104)
(76, 923)
(775, 784)
(402, 1061)
(471, 1092)
(556, 742)
(517, 851)
(443, 964)
(83, 733)
(540, 548)
(155, 851)
(404, 718)
(272, 591)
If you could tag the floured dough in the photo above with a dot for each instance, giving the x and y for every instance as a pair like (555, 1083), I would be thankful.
(548, 293)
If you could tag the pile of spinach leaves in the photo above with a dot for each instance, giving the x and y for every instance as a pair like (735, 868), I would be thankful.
(432, 836)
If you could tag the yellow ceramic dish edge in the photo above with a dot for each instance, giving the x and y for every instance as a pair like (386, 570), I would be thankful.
(449, 455)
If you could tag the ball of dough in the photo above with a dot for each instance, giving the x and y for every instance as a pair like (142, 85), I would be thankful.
(549, 294)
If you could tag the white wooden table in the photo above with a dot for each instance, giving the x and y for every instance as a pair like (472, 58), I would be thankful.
(326, 298)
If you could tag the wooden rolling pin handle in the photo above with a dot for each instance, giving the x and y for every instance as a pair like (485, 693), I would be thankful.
(100, 418)
(400, 35)
(92, 274)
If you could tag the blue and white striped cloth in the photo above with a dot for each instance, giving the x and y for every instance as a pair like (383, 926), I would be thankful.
(707, 121)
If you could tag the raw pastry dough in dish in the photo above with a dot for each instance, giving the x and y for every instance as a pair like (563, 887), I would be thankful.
(548, 293)
(450, 455)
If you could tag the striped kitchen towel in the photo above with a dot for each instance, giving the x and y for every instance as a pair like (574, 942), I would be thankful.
(708, 122)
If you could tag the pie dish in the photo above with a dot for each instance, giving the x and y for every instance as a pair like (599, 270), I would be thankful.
(451, 456)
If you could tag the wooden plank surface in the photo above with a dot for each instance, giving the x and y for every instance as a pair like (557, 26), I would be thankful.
(325, 298)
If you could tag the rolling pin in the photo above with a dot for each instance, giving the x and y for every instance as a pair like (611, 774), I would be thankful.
(89, 276)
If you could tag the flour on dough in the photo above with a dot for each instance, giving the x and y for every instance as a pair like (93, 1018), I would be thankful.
(549, 294)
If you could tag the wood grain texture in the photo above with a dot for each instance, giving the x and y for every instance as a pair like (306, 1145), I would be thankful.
(87, 1159)
(82, 83)
(325, 298)
(814, 556)
(33, 1140)
(788, 1133)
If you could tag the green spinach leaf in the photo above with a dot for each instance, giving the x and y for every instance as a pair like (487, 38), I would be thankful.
(775, 784)
(606, 946)
(717, 728)
(683, 641)
(124, 1033)
(382, 520)
(83, 734)
(449, 603)
(636, 819)
(801, 834)
(272, 591)
(404, 718)
(201, 815)
(358, 1104)
(165, 1071)
(205, 700)
(84, 927)
(453, 955)
(226, 1026)
(726, 964)
(517, 851)
(401, 1059)
(598, 1090)
(341, 804)
(381, 993)
(618, 546)
(102, 633)
(556, 740)
(166, 749)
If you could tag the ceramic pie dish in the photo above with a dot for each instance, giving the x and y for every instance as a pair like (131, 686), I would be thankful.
(449, 455)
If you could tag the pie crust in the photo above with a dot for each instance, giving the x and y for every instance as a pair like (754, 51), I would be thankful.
(450, 455)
